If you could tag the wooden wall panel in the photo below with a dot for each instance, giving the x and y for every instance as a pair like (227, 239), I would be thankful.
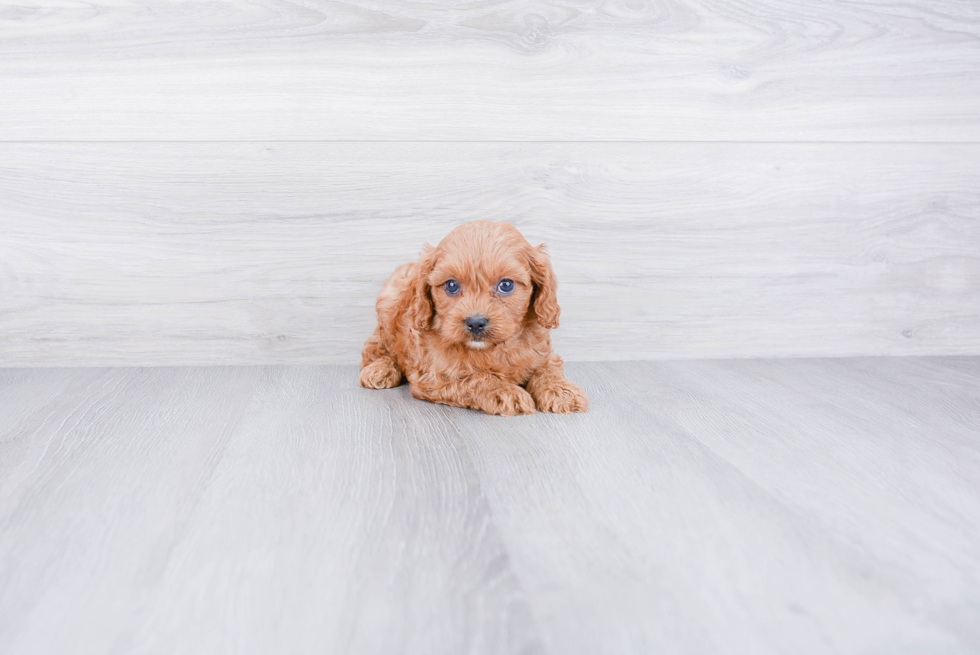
(766, 70)
(216, 253)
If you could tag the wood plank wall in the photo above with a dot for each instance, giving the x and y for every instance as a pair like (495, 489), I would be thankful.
(230, 182)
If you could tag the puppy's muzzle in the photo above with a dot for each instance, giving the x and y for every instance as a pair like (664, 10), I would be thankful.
(477, 324)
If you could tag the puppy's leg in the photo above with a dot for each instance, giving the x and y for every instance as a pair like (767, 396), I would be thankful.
(552, 392)
(485, 392)
(378, 368)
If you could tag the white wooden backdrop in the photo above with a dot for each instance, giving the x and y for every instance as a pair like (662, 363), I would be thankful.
(231, 182)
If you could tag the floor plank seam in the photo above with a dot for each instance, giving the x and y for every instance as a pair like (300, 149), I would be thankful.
(463, 451)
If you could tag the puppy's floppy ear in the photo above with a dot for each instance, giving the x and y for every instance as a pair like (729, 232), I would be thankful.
(420, 307)
(545, 298)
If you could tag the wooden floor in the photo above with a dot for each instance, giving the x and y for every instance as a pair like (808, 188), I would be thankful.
(745, 506)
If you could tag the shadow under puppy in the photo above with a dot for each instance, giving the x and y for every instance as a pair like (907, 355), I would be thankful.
(468, 326)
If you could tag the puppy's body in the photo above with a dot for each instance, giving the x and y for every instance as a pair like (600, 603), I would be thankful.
(484, 342)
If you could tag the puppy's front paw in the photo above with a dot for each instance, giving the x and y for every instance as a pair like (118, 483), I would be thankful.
(561, 397)
(381, 374)
(507, 400)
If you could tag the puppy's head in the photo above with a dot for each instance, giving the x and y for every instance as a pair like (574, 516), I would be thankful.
(482, 285)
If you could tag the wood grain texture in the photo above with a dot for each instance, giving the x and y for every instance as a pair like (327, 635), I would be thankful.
(748, 507)
(234, 510)
(803, 506)
(149, 254)
(768, 70)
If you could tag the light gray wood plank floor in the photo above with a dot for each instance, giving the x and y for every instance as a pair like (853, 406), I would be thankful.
(741, 506)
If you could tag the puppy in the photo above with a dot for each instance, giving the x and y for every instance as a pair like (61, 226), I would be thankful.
(468, 326)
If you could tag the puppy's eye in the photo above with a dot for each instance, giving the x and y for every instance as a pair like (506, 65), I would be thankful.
(505, 286)
(452, 287)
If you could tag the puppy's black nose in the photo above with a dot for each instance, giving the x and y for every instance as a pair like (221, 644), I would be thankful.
(476, 324)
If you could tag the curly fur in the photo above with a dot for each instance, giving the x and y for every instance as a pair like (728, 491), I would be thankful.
(421, 335)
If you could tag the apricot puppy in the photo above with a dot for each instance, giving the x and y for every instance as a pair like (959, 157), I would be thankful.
(468, 326)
